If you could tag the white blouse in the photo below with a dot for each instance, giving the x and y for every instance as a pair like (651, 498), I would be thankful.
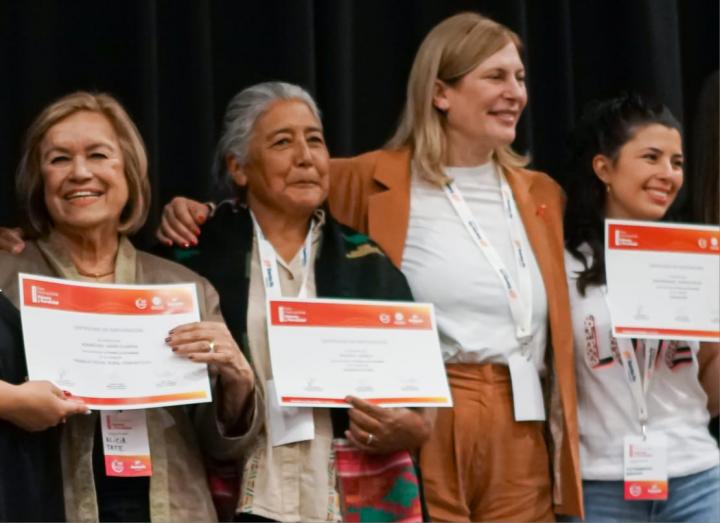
(444, 266)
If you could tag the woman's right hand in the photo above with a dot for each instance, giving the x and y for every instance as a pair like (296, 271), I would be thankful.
(37, 405)
(11, 240)
(181, 221)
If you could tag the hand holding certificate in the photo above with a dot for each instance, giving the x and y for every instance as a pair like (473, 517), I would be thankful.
(663, 280)
(106, 343)
(386, 353)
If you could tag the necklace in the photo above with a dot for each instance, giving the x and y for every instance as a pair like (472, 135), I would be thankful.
(95, 275)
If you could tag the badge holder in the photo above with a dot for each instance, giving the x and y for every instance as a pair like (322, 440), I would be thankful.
(645, 467)
(125, 443)
(528, 403)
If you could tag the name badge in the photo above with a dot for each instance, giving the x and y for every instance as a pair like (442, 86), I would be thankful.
(528, 403)
(125, 443)
(645, 469)
(287, 424)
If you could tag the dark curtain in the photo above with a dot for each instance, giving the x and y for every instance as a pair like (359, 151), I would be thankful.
(175, 64)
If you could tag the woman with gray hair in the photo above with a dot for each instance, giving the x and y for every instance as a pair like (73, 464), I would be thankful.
(480, 236)
(273, 152)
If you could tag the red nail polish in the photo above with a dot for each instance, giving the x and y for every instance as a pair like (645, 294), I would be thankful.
(541, 210)
(186, 245)
(201, 218)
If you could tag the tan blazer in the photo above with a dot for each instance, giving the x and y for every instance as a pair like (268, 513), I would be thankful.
(179, 441)
(371, 193)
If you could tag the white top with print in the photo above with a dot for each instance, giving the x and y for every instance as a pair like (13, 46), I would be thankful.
(606, 409)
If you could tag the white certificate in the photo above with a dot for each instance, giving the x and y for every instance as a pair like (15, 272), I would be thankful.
(105, 344)
(387, 353)
(663, 280)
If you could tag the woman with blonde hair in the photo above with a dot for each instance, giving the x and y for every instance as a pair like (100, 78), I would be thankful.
(481, 237)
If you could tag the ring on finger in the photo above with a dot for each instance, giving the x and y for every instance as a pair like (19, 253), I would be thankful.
(211, 346)
(370, 439)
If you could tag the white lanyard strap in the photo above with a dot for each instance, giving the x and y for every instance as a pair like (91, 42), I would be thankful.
(639, 384)
(519, 296)
(269, 262)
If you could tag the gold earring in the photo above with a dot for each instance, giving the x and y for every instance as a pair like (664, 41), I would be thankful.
(607, 188)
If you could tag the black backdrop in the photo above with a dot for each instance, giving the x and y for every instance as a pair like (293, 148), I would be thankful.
(176, 63)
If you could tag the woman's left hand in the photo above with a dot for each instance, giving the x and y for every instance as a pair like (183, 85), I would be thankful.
(211, 342)
(382, 430)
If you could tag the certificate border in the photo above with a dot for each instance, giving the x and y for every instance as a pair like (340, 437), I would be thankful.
(335, 402)
(626, 331)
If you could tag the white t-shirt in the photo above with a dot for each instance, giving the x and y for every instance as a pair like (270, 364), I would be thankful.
(676, 402)
(444, 266)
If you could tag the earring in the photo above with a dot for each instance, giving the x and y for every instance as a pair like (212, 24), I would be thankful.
(607, 188)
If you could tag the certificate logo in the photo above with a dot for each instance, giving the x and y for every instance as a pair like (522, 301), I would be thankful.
(654, 489)
(40, 295)
(141, 304)
(635, 490)
(138, 465)
(625, 238)
(157, 303)
(384, 318)
(415, 319)
(290, 315)
(117, 466)
(703, 243)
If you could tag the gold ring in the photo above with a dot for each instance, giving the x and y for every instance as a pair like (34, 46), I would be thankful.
(211, 346)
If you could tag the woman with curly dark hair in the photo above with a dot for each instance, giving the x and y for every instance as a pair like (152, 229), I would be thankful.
(627, 163)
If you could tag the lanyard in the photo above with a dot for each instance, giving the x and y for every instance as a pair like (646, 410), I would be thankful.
(519, 296)
(639, 385)
(268, 262)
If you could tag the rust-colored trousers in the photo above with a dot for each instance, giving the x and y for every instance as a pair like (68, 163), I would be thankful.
(480, 464)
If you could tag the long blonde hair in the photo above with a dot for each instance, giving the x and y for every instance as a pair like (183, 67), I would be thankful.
(453, 48)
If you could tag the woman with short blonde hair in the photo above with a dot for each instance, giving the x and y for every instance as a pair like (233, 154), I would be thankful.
(83, 178)
(29, 175)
